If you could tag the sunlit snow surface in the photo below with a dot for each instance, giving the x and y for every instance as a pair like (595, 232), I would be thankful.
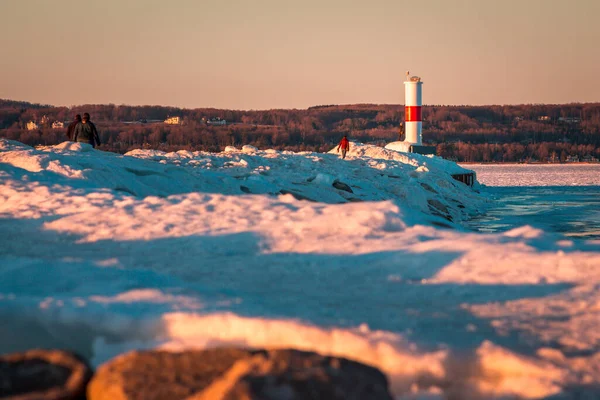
(102, 253)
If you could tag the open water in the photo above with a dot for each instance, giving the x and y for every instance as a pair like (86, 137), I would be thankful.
(556, 198)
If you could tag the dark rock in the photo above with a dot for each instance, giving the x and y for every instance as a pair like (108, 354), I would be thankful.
(125, 189)
(440, 224)
(245, 189)
(158, 375)
(142, 172)
(458, 203)
(292, 374)
(342, 186)
(438, 205)
(43, 375)
(297, 196)
(234, 374)
(428, 187)
(438, 208)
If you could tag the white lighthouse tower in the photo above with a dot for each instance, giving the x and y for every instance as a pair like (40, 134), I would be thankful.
(413, 122)
(413, 101)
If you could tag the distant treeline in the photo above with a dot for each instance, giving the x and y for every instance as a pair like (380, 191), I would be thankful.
(466, 133)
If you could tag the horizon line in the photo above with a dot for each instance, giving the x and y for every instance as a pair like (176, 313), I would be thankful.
(295, 108)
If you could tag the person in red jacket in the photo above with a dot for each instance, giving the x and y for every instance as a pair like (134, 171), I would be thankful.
(344, 145)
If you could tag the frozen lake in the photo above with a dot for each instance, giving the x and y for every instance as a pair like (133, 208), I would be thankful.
(555, 198)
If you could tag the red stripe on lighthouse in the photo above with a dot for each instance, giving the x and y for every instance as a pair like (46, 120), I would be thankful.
(412, 113)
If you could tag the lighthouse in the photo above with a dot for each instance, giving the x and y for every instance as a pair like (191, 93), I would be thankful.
(413, 101)
(413, 122)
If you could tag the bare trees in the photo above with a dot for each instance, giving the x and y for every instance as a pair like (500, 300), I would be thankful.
(468, 133)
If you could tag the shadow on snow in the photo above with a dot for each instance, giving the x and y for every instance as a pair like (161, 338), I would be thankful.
(386, 290)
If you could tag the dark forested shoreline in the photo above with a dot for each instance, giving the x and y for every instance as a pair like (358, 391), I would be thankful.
(510, 133)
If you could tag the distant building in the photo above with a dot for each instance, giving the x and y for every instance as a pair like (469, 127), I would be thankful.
(569, 120)
(572, 159)
(57, 125)
(589, 159)
(216, 121)
(31, 126)
(544, 118)
(173, 121)
(44, 120)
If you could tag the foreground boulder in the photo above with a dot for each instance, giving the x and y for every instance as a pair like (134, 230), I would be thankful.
(231, 374)
(43, 375)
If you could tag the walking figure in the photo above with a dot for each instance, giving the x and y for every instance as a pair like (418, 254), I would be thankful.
(86, 132)
(401, 131)
(344, 145)
(71, 128)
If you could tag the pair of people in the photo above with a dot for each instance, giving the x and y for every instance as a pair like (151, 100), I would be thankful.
(344, 145)
(83, 130)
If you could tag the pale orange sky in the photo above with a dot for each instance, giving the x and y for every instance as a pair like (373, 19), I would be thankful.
(257, 54)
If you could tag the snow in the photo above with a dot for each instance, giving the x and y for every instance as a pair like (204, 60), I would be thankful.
(104, 253)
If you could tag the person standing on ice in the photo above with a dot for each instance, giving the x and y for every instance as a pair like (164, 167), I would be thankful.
(86, 132)
(344, 145)
(71, 127)
(401, 131)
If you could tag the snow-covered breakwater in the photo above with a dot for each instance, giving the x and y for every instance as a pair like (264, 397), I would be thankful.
(105, 253)
(374, 174)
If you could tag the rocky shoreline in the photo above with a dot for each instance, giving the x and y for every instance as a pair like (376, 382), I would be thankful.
(219, 373)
